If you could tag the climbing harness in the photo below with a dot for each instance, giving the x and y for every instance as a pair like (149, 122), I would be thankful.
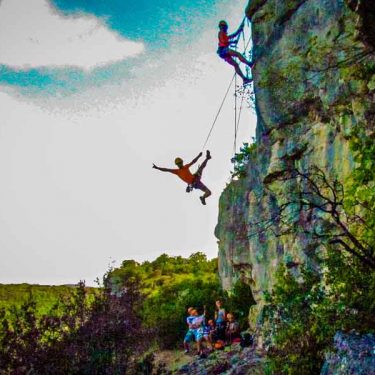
(242, 90)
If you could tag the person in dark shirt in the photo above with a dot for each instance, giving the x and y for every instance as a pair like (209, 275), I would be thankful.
(232, 331)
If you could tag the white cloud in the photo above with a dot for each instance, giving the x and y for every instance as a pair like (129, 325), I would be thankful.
(33, 35)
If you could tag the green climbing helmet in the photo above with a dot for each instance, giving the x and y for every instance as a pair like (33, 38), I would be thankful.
(223, 23)
(178, 161)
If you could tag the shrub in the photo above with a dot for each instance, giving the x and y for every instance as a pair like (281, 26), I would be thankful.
(96, 338)
(303, 314)
(241, 159)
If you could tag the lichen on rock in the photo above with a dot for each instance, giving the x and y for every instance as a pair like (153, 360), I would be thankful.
(312, 84)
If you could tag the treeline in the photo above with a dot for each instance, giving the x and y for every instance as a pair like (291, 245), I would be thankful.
(139, 307)
(44, 296)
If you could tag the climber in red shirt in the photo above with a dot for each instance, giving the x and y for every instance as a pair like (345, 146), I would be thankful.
(229, 54)
(193, 180)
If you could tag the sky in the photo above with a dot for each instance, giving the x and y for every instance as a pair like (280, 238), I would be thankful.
(91, 95)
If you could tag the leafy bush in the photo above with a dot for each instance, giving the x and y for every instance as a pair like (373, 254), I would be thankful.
(166, 310)
(171, 285)
(238, 301)
(96, 338)
(303, 314)
(139, 305)
(360, 200)
(44, 296)
(240, 160)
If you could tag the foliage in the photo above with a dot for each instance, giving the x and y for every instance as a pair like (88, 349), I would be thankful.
(239, 301)
(139, 305)
(171, 285)
(313, 203)
(306, 309)
(303, 314)
(360, 200)
(241, 160)
(44, 296)
(166, 310)
(87, 338)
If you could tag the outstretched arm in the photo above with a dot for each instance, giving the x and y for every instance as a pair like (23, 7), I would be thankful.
(234, 35)
(162, 169)
(195, 160)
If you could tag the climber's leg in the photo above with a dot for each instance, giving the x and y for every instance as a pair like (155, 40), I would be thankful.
(237, 68)
(201, 186)
(239, 56)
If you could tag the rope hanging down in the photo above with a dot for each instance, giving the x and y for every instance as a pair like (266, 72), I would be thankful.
(218, 112)
(237, 119)
(235, 113)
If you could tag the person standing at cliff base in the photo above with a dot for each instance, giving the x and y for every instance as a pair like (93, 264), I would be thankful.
(228, 54)
(189, 334)
(220, 320)
(193, 180)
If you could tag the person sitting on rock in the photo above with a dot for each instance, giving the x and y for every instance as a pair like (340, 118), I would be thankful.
(193, 180)
(229, 54)
(209, 330)
(232, 331)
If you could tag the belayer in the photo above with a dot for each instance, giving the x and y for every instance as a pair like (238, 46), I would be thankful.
(193, 180)
(228, 54)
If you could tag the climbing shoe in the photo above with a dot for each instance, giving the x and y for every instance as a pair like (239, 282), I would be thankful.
(251, 64)
(246, 81)
(203, 200)
(208, 154)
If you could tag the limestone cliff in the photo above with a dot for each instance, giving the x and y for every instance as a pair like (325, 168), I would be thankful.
(313, 82)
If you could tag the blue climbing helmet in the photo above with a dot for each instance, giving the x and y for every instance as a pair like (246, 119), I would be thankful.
(223, 23)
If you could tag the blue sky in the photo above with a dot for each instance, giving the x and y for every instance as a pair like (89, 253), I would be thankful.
(160, 25)
(91, 94)
(150, 21)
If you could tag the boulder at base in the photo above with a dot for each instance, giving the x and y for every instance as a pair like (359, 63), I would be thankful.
(354, 355)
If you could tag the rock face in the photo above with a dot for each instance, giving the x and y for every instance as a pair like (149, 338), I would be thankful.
(313, 82)
(235, 361)
(354, 355)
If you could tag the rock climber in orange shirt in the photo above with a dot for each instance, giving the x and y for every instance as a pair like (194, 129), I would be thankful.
(229, 54)
(193, 180)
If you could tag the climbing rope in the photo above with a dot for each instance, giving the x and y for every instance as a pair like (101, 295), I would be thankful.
(239, 35)
(237, 124)
(237, 115)
(218, 112)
